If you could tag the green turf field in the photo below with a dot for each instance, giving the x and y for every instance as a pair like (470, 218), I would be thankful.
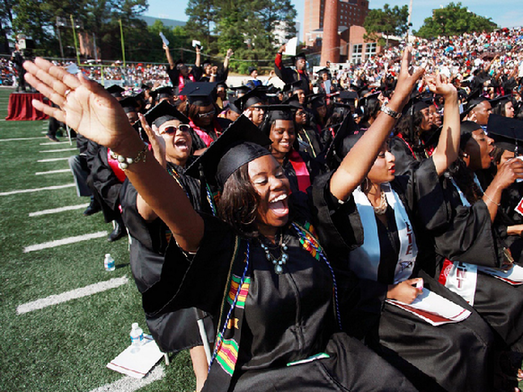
(63, 347)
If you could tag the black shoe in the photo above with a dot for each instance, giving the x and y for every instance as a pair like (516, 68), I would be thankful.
(118, 232)
(52, 138)
(92, 208)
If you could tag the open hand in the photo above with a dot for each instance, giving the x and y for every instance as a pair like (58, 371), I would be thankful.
(84, 105)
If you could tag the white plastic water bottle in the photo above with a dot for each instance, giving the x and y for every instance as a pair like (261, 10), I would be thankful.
(109, 263)
(136, 336)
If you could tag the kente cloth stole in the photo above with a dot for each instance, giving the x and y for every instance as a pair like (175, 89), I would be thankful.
(365, 260)
(300, 168)
(228, 336)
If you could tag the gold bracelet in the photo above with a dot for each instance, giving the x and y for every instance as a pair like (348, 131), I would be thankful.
(492, 201)
(123, 162)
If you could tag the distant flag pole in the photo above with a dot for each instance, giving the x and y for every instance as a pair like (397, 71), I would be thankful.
(408, 21)
(75, 40)
(123, 46)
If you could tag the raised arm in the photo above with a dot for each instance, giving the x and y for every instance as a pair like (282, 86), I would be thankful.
(198, 60)
(86, 107)
(168, 55)
(227, 60)
(447, 149)
(361, 157)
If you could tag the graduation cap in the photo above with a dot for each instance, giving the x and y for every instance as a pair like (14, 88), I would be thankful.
(300, 56)
(164, 112)
(322, 71)
(348, 96)
(466, 129)
(234, 108)
(345, 138)
(473, 100)
(297, 85)
(241, 143)
(506, 132)
(365, 101)
(199, 93)
(251, 98)
(292, 101)
(115, 90)
(164, 92)
(499, 101)
(316, 100)
(251, 70)
(129, 104)
(282, 111)
(416, 103)
(240, 90)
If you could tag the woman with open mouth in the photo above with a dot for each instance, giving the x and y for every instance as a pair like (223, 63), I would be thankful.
(258, 268)
(170, 136)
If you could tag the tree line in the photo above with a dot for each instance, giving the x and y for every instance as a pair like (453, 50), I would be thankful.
(253, 29)
(250, 27)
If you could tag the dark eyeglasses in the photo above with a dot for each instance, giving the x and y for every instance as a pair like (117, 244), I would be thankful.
(206, 114)
(172, 129)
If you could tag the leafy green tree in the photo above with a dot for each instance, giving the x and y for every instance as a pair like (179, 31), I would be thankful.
(454, 20)
(247, 27)
(201, 23)
(388, 21)
(6, 21)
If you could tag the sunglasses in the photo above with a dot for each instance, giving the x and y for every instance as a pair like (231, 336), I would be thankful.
(207, 114)
(172, 129)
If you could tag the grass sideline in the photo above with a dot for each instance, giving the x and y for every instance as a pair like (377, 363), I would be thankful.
(63, 347)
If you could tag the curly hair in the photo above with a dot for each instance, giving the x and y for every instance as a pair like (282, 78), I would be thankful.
(239, 202)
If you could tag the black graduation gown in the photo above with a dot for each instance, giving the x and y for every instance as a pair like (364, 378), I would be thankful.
(507, 216)
(173, 331)
(452, 357)
(283, 318)
(309, 141)
(103, 182)
(466, 234)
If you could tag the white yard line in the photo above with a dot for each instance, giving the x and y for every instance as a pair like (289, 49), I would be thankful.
(63, 149)
(73, 294)
(53, 159)
(53, 143)
(65, 241)
(57, 210)
(21, 138)
(47, 188)
(129, 384)
(53, 172)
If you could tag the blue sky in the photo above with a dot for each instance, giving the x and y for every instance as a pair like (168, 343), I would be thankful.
(506, 13)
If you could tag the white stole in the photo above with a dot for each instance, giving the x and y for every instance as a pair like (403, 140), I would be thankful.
(365, 260)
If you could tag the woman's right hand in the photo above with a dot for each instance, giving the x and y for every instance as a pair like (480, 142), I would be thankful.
(84, 105)
(405, 291)
(407, 78)
(509, 172)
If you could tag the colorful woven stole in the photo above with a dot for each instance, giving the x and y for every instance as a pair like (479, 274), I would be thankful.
(300, 168)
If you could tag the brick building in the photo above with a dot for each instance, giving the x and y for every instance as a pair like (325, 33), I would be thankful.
(350, 13)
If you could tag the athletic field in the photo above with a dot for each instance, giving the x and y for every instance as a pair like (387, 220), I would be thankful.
(63, 316)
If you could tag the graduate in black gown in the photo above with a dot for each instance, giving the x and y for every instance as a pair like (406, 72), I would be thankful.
(469, 237)
(170, 137)
(383, 243)
(279, 125)
(261, 263)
